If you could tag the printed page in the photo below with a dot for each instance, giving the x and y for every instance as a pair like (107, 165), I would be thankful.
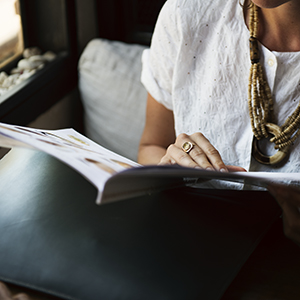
(117, 177)
(94, 162)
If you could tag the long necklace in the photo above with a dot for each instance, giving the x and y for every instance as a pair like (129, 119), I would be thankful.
(260, 104)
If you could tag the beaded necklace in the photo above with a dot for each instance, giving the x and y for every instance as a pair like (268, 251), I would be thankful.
(260, 104)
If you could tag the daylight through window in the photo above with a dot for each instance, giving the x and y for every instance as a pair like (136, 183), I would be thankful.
(11, 34)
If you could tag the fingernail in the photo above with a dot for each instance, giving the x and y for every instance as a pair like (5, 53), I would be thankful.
(223, 170)
(173, 162)
(209, 169)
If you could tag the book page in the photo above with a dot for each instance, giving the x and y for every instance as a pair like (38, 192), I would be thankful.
(151, 178)
(94, 162)
(115, 176)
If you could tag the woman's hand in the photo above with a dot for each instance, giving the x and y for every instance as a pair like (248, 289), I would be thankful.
(159, 135)
(289, 200)
(202, 154)
(5, 294)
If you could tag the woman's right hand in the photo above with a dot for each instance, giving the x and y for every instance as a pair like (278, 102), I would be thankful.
(159, 135)
(202, 154)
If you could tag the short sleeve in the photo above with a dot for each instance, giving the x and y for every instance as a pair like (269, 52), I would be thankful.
(159, 61)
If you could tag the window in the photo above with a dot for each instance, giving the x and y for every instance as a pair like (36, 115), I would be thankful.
(49, 25)
(11, 33)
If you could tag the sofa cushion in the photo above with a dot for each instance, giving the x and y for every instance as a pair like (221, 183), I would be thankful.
(113, 97)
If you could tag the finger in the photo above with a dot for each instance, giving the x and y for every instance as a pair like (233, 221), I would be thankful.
(167, 161)
(21, 296)
(197, 156)
(5, 294)
(235, 169)
(177, 155)
(202, 159)
(167, 158)
(207, 154)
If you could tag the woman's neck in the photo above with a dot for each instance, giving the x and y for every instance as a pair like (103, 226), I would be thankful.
(279, 27)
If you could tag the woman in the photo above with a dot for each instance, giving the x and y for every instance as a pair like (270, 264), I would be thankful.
(197, 77)
(203, 107)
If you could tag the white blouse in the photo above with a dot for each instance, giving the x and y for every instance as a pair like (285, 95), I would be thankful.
(198, 66)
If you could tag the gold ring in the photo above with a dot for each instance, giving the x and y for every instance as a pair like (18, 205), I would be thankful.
(187, 147)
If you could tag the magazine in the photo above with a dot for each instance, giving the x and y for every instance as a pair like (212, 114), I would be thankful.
(115, 176)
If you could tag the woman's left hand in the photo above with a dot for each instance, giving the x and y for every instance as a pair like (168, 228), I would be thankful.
(289, 200)
(5, 294)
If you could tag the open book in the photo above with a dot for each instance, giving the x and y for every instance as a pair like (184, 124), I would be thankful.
(115, 176)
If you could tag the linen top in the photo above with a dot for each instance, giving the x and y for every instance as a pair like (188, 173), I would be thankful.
(198, 66)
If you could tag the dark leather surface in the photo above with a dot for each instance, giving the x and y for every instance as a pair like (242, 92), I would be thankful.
(180, 244)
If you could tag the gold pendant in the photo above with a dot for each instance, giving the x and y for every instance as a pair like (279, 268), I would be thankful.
(266, 159)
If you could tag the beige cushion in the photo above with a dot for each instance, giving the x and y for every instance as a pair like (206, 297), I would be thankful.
(113, 97)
